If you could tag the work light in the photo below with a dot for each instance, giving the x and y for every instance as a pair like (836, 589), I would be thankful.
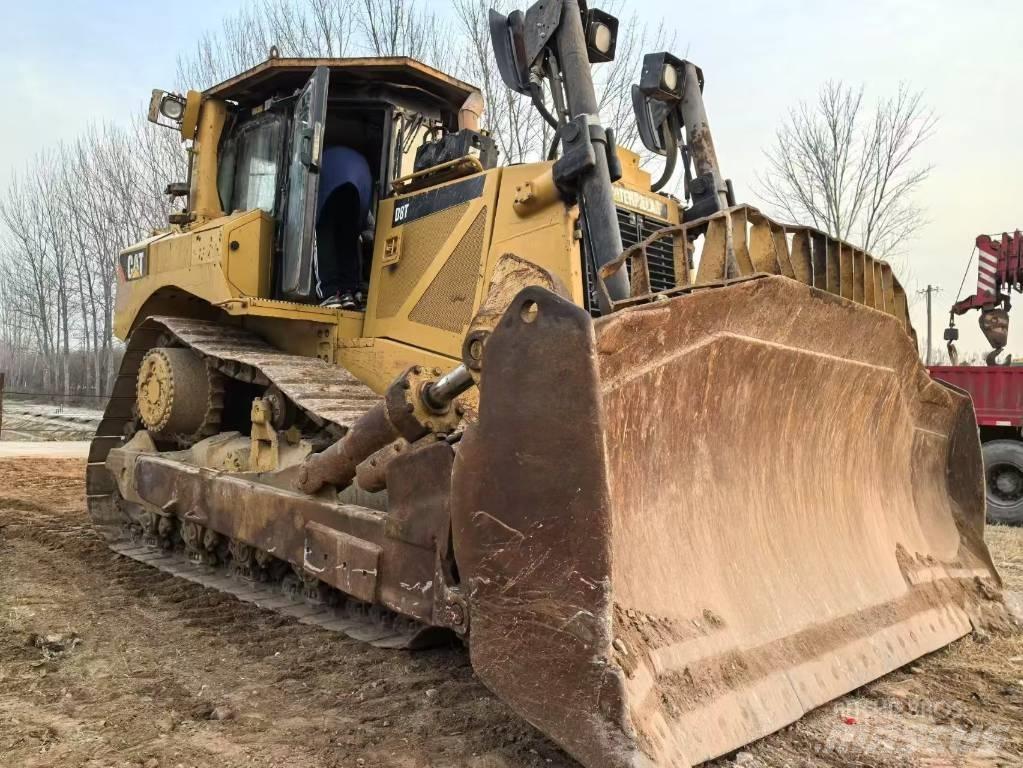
(662, 77)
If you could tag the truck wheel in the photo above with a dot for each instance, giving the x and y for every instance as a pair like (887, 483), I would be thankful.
(1003, 472)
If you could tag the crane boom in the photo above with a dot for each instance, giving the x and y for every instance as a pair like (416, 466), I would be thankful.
(999, 272)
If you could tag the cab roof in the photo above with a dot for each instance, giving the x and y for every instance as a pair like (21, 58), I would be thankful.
(277, 75)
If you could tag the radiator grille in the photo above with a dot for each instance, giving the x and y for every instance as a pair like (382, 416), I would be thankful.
(660, 255)
(447, 303)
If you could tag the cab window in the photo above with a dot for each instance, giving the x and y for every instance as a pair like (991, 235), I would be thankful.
(249, 161)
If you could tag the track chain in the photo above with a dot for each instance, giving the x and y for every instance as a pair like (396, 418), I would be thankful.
(328, 395)
(367, 624)
(377, 627)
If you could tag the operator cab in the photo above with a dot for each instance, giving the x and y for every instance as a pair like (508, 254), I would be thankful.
(285, 116)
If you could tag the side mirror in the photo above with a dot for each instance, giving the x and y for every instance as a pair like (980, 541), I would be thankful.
(654, 122)
(508, 39)
(520, 40)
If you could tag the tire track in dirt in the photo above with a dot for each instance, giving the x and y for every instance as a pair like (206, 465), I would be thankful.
(159, 656)
(184, 651)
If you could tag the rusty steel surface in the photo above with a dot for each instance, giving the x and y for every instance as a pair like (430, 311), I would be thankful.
(329, 394)
(337, 464)
(343, 545)
(405, 412)
(385, 564)
(346, 619)
(742, 242)
(726, 509)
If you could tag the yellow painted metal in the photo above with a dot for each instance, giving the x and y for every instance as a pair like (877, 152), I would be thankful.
(377, 362)
(204, 198)
(190, 118)
(428, 277)
(306, 337)
(410, 291)
(155, 390)
(247, 247)
(201, 263)
(547, 236)
(225, 263)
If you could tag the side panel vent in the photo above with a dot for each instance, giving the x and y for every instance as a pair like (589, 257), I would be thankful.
(448, 302)
(421, 241)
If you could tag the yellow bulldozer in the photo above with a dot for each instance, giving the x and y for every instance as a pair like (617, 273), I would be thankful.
(671, 470)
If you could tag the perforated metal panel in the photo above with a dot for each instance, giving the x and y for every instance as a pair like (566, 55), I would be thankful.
(420, 242)
(447, 303)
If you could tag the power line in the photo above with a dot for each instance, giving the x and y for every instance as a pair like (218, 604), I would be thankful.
(962, 282)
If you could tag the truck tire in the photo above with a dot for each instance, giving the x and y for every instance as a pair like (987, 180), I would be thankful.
(1003, 473)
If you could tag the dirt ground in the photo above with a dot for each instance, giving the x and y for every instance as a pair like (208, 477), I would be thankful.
(105, 662)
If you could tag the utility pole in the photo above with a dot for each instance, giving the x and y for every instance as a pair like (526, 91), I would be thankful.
(929, 291)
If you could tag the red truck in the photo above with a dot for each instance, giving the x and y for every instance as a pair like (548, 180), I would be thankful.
(997, 388)
(997, 392)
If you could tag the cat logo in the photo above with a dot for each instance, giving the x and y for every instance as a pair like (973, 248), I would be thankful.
(134, 265)
(645, 204)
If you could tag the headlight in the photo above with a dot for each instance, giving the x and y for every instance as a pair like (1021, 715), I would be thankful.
(172, 108)
(601, 35)
(670, 78)
(663, 77)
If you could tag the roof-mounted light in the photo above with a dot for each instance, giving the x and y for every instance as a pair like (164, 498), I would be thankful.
(166, 109)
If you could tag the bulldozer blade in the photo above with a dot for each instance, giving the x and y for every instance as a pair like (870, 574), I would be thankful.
(683, 526)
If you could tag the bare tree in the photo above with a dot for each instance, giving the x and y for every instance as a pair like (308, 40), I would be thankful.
(401, 28)
(851, 172)
(315, 28)
(304, 28)
(61, 225)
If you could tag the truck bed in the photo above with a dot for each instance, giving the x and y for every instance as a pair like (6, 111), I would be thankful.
(997, 391)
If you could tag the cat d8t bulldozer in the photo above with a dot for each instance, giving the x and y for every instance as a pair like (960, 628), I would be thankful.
(671, 470)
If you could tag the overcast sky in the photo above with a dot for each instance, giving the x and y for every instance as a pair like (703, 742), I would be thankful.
(72, 63)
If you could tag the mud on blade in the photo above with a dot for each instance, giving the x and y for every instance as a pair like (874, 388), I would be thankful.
(687, 524)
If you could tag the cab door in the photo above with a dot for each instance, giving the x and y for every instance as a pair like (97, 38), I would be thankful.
(298, 271)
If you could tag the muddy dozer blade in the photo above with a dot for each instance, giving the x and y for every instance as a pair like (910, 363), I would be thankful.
(684, 526)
